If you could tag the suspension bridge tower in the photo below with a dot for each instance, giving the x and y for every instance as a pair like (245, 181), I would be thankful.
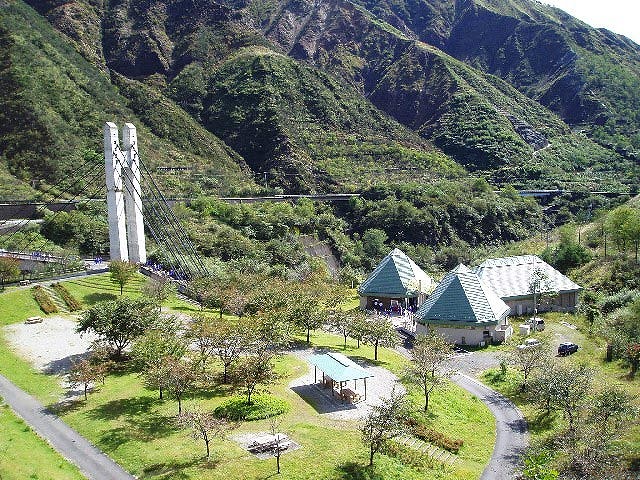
(124, 195)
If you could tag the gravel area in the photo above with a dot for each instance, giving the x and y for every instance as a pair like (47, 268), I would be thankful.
(50, 346)
(379, 386)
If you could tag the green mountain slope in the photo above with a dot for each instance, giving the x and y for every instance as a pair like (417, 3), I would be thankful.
(54, 104)
(587, 76)
(297, 87)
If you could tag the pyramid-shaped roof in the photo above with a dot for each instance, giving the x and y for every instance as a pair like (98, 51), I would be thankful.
(462, 298)
(510, 277)
(396, 276)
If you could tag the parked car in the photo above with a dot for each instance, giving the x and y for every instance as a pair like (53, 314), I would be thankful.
(537, 324)
(567, 348)
(529, 343)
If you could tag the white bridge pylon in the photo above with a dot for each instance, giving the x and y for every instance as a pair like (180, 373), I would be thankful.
(124, 202)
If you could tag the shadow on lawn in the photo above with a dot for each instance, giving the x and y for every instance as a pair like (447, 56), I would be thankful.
(357, 471)
(96, 297)
(174, 469)
(124, 406)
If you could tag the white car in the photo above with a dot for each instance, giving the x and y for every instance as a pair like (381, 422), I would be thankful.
(529, 343)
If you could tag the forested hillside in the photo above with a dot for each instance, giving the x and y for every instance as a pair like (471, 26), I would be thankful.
(324, 96)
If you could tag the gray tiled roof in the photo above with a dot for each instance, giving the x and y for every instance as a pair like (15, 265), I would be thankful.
(461, 298)
(396, 276)
(510, 276)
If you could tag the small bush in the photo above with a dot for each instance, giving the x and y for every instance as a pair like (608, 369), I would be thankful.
(44, 300)
(71, 301)
(262, 406)
(438, 439)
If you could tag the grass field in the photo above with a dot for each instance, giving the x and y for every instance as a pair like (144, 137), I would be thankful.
(135, 428)
(592, 353)
(24, 455)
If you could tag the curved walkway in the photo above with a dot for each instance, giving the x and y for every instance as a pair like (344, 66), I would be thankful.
(512, 438)
(511, 430)
(94, 464)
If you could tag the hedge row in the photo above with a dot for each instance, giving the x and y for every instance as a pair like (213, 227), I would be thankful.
(44, 300)
(438, 439)
(71, 301)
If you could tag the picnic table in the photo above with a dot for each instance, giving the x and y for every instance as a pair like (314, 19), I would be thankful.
(268, 443)
(350, 396)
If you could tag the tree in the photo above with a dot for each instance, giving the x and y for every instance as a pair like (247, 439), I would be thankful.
(9, 269)
(122, 272)
(83, 373)
(358, 327)
(118, 322)
(205, 426)
(151, 350)
(274, 423)
(536, 467)
(341, 322)
(623, 332)
(159, 289)
(179, 379)
(428, 357)
(305, 310)
(253, 370)
(540, 285)
(384, 422)
(380, 332)
(529, 358)
(571, 388)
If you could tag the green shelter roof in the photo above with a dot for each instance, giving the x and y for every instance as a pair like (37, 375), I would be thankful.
(339, 367)
(462, 298)
(396, 276)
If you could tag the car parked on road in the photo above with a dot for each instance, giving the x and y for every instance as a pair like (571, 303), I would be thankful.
(567, 348)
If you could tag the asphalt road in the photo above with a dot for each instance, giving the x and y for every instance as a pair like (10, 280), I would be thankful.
(94, 464)
(511, 430)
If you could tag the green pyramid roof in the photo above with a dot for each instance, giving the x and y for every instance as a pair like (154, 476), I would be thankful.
(396, 276)
(462, 298)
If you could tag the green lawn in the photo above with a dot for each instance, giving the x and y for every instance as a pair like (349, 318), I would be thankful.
(24, 455)
(135, 428)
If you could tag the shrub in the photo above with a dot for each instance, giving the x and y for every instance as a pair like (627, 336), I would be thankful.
(409, 456)
(71, 301)
(262, 406)
(438, 439)
(44, 300)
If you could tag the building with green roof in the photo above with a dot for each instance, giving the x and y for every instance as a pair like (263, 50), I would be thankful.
(396, 282)
(465, 310)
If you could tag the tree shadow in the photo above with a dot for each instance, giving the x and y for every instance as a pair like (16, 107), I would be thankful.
(96, 297)
(65, 406)
(63, 365)
(174, 469)
(356, 471)
(123, 406)
(541, 422)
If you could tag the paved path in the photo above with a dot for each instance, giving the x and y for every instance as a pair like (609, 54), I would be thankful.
(94, 464)
(511, 430)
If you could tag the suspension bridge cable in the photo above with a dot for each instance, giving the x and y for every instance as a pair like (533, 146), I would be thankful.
(158, 230)
(172, 219)
(202, 269)
(7, 240)
(84, 171)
